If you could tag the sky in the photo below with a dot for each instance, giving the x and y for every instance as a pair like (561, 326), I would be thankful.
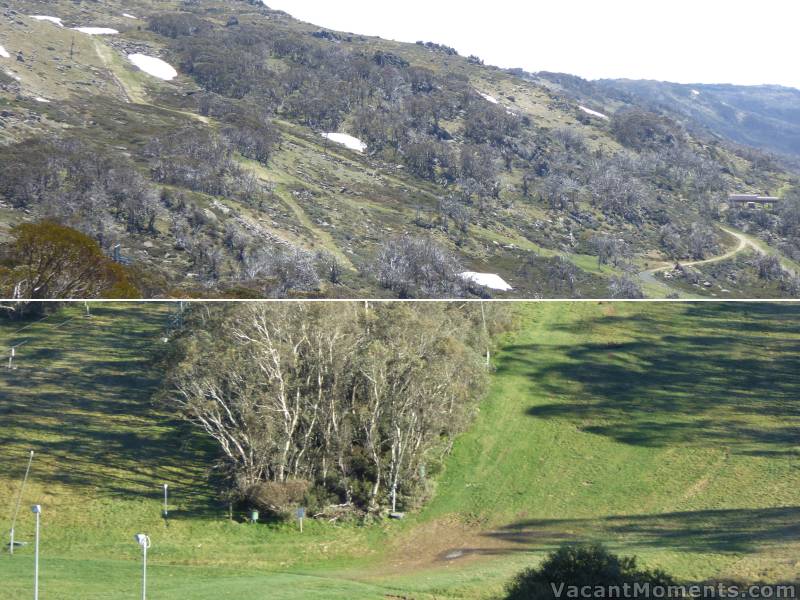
(684, 41)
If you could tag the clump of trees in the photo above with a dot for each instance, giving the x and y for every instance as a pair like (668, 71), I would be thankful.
(617, 192)
(355, 403)
(624, 287)
(72, 182)
(177, 24)
(643, 130)
(193, 158)
(287, 268)
(418, 268)
(610, 250)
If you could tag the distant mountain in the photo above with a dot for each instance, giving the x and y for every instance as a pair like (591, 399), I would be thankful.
(765, 116)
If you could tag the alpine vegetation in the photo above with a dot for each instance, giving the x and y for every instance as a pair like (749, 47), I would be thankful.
(350, 404)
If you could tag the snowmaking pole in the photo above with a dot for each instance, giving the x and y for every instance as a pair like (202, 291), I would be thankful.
(19, 500)
(486, 336)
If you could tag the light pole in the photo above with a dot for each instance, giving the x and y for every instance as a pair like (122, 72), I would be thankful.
(144, 542)
(37, 510)
(165, 512)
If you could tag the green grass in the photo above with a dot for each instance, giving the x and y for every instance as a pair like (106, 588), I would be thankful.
(667, 431)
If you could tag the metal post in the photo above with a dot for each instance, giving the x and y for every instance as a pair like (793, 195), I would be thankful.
(144, 570)
(143, 541)
(486, 334)
(19, 500)
(37, 510)
(165, 514)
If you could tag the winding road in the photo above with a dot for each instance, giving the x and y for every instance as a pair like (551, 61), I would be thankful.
(649, 276)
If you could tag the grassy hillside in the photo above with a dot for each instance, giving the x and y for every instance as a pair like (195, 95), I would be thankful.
(321, 197)
(666, 431)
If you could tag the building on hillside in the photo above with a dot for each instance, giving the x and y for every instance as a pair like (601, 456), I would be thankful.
(752, 201)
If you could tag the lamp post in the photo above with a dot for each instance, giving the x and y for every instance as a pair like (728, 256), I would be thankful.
(37, 510)
(143, 541)
(165, 512)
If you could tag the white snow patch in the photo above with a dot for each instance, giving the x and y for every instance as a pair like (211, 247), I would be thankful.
(42, 100)
(153, 66)
(55, 20)
(128, 16)
(695, 93)
(96, 30)
(4, 53)
(346, 140)
(489, 280)
(489, 98)
(13, 76)
(594, 113)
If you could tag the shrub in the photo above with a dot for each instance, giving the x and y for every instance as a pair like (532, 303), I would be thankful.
(47, 260)
(582, 565)
(278, 498)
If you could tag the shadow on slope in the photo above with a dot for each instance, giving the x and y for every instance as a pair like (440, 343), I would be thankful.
(722, 531)
(723, 375)
(80, 397)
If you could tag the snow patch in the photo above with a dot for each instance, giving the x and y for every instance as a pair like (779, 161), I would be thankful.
(489, 98)
(96, 30)
(42, 100)
(695, 93)
(13, 76)
(153, 66)
(489, 280)
(4, 53)
(55, 20)
(128, 16)
(346, 140)
(594, 113)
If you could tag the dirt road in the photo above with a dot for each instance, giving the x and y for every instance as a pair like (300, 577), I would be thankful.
(744, 244)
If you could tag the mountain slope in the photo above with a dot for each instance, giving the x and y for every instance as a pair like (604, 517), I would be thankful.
(223, 184)
(766, 117)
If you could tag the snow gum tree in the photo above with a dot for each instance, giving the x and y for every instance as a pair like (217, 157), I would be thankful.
(352, 398)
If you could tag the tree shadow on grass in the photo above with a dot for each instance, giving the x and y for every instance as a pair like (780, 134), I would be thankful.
(81, 399)
(724, 375)
(717, 531)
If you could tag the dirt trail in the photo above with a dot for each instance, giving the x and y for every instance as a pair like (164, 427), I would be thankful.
(745, 243)
(131, 94)
(442, 543)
